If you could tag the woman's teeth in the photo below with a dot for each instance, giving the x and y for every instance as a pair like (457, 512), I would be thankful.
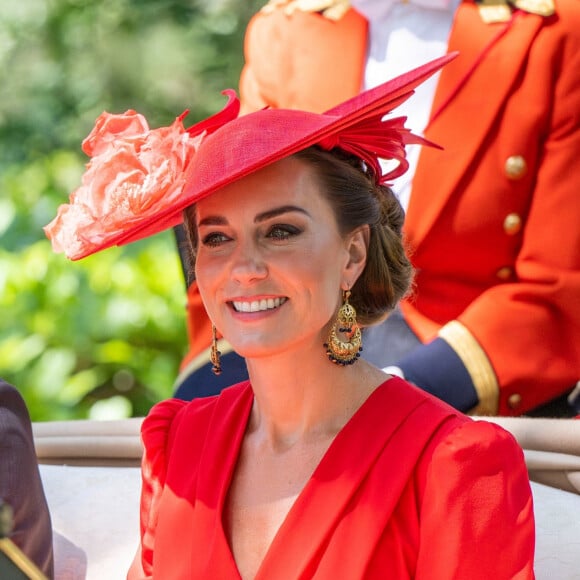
(258, 305)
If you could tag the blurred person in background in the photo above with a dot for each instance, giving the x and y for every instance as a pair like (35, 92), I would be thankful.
(20, 484)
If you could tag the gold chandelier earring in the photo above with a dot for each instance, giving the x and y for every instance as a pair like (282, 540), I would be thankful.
(214, 355)
(344, 352)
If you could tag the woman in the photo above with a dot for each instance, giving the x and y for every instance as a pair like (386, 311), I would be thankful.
(320, 466)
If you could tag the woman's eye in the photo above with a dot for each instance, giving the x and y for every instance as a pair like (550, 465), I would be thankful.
(283, 232)
(214, 239)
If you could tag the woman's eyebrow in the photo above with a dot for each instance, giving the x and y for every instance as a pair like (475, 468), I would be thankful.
(213, 220)
(218, 220)
(272, 213)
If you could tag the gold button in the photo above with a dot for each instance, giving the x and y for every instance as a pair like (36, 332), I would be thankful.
(515, 167)
(505, 273)
(512, 224)
(514, 401)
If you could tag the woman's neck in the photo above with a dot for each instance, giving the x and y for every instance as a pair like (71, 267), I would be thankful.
(299, 400)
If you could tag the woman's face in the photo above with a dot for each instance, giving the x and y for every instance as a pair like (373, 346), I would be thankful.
(271, 262)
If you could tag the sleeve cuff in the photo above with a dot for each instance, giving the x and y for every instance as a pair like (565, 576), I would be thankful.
(477, 364)
(436, 368)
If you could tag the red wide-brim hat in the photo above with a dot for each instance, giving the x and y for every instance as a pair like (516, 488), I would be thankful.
(139, 181)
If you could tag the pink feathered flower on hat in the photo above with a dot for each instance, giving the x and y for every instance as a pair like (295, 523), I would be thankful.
(132, 171)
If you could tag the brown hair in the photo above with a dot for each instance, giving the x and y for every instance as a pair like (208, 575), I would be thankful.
(356, 201)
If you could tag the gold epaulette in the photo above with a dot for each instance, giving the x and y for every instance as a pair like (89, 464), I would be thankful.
(331, 9)
(492, 11)
(540, 7)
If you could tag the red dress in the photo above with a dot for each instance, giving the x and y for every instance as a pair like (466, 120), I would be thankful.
(409, 488)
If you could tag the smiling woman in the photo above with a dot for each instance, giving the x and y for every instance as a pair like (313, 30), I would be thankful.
(311, 469)
(274, 248)
(300, 210)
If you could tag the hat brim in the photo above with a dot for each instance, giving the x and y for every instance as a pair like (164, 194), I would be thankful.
(268, 136)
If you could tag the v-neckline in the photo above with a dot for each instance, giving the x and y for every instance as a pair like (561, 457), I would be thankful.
(333, 466)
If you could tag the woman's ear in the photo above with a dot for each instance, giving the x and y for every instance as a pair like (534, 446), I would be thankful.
(357, 247)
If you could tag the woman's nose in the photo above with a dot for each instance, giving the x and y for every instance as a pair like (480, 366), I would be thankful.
(248, 263)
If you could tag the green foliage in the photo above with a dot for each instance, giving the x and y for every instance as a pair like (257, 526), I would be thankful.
(102, 337)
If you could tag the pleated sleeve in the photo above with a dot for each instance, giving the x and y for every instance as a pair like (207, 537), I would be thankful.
(156, 434)
(477, 513)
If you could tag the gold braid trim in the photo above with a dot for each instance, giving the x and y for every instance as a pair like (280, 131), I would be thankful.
(20, 560)
(477, 364)
(331, 9)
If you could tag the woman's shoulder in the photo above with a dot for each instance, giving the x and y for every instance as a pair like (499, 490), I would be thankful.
(478, 437)
(165, 417)
(465, 450)
(452, 426)
(168, 414)
(454, 436)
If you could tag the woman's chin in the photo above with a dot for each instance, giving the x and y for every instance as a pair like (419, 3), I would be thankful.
(249, 350)
(260, 347)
